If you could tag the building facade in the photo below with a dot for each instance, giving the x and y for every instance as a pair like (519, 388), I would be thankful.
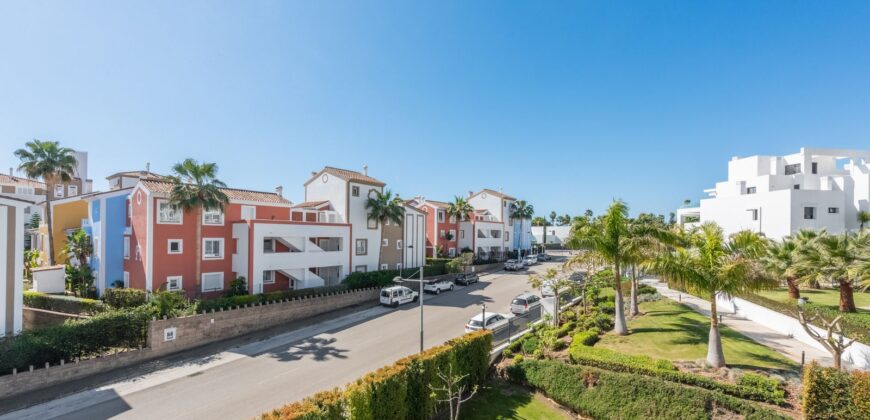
(780, 195)
(11, 263)
(408, 238)
(442, 230)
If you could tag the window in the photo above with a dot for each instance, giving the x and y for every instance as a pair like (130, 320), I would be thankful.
(138, 252)
(354, 191)
(797, 186)
(362, 247)
(213, 248)
(399, 266)
(268, 246)
(126, 247)
(126, 280)
(213, 217)
(58, 191)
(451, 252)
(441, 234)
(750, 190)
(73, 190)
(384, 266)
(453, 233)
(507, 236)
(360, 269)
(175, 246)
(833, 210)
(385, 242)
(452, 219)
(793, 169)
(173, 283)
(809, 213)
(461, 234)
(815, 167)
(212, 281)
(753, 213)
(398, 244)
(167, 213)
(24, 190)
(372, 223)
(440, 216)
(249, 212)
(268, 277)
(129, 209)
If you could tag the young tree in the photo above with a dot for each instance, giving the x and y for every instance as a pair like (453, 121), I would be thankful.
(52, 163)
(863, 218)
(31, 261)
(452, 391)
(833, 341)
(709, 264)
(195, 188)
(78, 249)
(781, 261)
(558, 282)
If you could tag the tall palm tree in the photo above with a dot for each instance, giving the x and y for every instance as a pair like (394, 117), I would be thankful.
(781, 261)
(521, 210)
(460, 208)
(195, 188)
(836, 258)
(553, 217)
(643, 248)
(709, 265)
(804, 239)
(611, 239)
(384, 206)
(52, 163)
(863, 218)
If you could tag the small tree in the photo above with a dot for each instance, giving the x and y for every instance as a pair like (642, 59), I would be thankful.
(78, 249)
(833, 340)
(31, 261)
(452, 391)
(556, 281)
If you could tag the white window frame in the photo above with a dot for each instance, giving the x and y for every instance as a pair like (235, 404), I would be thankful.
(72, 190)
(161, 221)
(202, 282)
(207, 213)
(169, 279)
(385, 266)
(453, 234)
(169, 246)
(356, 247)
(451, 252)
(58, 191)
(25, 190)
(361, 268)
(126, 247)
(126, 279)
(452, 218)
(441, 216)
(271, 242)
(252, 210)
(442, 233)
(399, 243)
(222, 250)
(385, 242)
(270, 278)
(372, 223)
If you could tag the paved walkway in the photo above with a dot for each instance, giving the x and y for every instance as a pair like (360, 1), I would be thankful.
(783, 344)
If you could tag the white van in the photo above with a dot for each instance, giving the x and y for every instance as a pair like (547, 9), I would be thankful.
(397, 295)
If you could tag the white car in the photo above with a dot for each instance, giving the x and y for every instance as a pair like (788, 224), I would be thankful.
(530, 260)
(397, 295)
(513, 265)
(547, 290)
(437, 286)
(493, 321)
(525, 303)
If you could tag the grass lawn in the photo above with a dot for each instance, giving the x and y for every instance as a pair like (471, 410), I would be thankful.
(826, 297)
(510, 402)
(671, 331)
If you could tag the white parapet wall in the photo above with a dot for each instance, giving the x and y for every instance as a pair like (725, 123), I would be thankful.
(857, 355)
(49, 279)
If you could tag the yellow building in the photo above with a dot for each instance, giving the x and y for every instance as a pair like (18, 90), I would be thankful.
(67, 215)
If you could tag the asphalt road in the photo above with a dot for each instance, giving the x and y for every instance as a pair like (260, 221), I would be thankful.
(244, 381)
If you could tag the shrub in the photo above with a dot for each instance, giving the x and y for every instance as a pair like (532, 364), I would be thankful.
(530, 344)
(565, 329)
(518, 358)
(61, 303)
(559, 345)
(607, 307)
(585, 338)
(507, 353)
(763, 385)
(233, 301)
(124, 298)
(238, 287)
(645, 289)
(170, 304)
(828, 393)
(326, 405)
(597, 320)
(601, 394)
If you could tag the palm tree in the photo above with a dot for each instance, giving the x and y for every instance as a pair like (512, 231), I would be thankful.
(863, 218)
(612, 238)
(79, 249)
(588, 213)
(383, 206)
(642, 248)
(553, 217)
(460, 208)
(52, 163)
(521, 210)
(781, 261)
(195, 188)
(837, 258)
(711, 265)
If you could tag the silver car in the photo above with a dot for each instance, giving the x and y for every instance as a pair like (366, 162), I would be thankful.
(525, 303)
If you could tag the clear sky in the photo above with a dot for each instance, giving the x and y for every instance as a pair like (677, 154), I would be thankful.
(566, 104)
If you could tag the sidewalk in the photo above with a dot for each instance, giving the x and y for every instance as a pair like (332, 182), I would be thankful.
(783, 344)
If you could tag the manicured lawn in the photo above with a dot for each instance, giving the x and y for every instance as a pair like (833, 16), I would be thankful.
(826, 297)
(671, 331)
(510, 402)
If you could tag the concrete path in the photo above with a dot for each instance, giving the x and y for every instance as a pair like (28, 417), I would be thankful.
(781, 343)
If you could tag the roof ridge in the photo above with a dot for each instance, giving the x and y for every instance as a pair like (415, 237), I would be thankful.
(223, 188)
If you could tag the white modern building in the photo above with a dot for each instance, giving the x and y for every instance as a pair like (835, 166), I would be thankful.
(779, 195)
(556, 235)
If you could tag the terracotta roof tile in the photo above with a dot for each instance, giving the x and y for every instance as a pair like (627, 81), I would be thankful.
(7, 179)
(495, 194)
(309, 204)
(234, 194)
(349, 175)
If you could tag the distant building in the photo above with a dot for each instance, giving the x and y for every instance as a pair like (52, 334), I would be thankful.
(556, 235)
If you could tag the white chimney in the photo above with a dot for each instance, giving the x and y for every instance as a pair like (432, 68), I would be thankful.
(10, 172)
(279, 190)
(470, 193)
(147, 166)
(366, 170)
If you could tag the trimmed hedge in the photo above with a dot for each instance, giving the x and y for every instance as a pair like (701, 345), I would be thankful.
(124, 298)
(855, 325)
(75, 339)
(381, 278)
(229, 302)
(767, 390)
(833, 394)
(586, 338)
(401, 390)
(62, 303)
(602, 394)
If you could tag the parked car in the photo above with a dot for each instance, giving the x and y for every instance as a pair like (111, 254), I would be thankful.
(466, 278)
(488, 320)
(530, 260)
(513, 265)
(397, 295)
(544, 257)
(437, 286)
(524, 303)
(547, 290)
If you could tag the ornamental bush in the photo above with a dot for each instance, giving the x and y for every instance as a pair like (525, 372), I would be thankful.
(830, 393)
(124, 298)
(62, 303)
(585, 338)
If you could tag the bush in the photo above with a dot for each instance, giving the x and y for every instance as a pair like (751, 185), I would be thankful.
(598, 393)
(233, 301)
(607, 307)
(663, 369)
(559, 345)
(382, 278)
(327, 405)
(830, 394)
(645, 289)
(565, 329)
(61, 303)
(600, 321)
(507, 353)
(75, 339)
(531, 344)
(763, 385)
(124, 298)
(170, 305)
(586, 338)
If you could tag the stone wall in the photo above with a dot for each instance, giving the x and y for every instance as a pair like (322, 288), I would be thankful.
(39, 318)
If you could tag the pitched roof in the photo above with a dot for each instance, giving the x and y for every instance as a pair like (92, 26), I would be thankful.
(234, 194)
(494, 194)
(9, 179)
(6, 197)
(348, 175)
(440, 204)
(310, 204)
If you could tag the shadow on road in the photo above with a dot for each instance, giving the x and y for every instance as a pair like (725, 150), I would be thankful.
(317, 348)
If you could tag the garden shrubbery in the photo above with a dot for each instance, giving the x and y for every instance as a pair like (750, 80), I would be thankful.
(124, 298)
(855, 325)
(833, 394)
(229, 302)
(602, 394)
(61, 303)
(586, 338)
(401, 390)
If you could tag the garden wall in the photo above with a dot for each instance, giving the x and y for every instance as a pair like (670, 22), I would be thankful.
(858, 354)
(39, 318)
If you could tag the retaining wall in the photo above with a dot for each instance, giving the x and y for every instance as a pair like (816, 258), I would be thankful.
(39, 318)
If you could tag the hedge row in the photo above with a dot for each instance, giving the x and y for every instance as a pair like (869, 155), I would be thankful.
(756, 387)
(124, 298)
(62, 303)
(401, 390)
(75, 339)
(855, 325)
(381, 278)
(229, 302)
(833, 394)
(598, 393)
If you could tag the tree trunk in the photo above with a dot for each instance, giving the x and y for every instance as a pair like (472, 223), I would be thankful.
(619, 325)
(837, 356)
(198, 264)
(633, 308)
(48, 188)
(847, 298)
(715, 356)
(793, 291)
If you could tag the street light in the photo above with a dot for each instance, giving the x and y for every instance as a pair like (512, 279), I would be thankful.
(399, 279)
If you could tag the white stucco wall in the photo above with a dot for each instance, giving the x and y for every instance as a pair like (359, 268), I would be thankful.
(12, 208)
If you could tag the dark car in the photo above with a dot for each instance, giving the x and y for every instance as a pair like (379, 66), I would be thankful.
(466, 278)
(544, 257)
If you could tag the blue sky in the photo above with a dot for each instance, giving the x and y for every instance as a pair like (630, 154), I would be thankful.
(565, 104)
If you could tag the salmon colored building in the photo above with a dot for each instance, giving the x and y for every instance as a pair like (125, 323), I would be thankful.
(442, 230)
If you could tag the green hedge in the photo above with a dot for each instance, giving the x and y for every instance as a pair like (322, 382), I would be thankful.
(598, 393)
(82, 339)
(62, 303)
(229, 302)
(855, 325)
(401, 390)
(382, 278)
(585, 338)
(833, 394)
(753, 388)
(124, 298)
